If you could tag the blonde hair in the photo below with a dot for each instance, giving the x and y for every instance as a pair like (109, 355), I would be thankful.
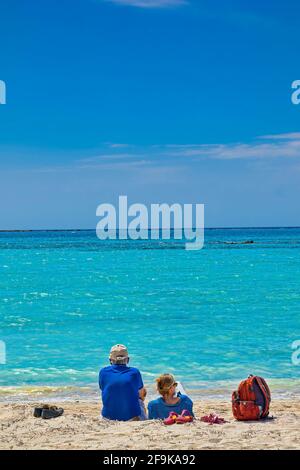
(164, 383)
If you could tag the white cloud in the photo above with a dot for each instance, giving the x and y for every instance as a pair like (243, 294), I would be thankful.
(106, 157)
(277, 146)
(281, 146)
(115, 146)
(121, 157)
(150, 3)
(288, 136)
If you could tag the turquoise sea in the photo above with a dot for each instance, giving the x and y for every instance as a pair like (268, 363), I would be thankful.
(211, 317)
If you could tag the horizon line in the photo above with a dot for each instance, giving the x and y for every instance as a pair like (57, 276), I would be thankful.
(149, 229)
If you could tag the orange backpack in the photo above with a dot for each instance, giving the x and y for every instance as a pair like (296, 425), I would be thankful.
(252, 399)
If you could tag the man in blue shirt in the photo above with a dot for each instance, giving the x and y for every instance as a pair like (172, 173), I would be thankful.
(122, 387)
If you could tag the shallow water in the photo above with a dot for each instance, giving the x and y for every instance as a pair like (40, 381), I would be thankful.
(209, 316)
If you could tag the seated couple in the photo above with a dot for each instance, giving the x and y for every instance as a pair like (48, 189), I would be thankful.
(123, 392)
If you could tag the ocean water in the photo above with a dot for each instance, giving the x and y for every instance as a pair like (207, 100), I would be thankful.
(211, 317)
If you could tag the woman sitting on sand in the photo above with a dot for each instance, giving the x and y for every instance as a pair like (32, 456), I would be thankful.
(170, 401)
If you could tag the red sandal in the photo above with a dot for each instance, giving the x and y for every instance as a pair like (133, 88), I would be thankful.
(213, 419)
(171, 419)
(185, 417)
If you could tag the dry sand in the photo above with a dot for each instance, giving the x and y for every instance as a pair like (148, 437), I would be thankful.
(81, 428)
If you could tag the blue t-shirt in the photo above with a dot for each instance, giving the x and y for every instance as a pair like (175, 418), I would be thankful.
(158, 409)
(120, 387)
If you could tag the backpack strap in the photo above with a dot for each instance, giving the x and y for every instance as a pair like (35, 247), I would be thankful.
(266, 393)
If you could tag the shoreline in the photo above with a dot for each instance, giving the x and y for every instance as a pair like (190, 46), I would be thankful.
(82, 428)
(281, 389)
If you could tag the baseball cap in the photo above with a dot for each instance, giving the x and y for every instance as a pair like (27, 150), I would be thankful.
(117, 352)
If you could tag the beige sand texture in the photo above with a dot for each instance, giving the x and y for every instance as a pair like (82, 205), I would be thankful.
(81, 428)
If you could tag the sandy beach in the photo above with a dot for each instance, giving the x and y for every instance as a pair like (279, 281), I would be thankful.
(81, 428)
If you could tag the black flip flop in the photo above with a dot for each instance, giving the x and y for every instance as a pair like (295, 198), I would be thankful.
(37, 412)
(52, 412)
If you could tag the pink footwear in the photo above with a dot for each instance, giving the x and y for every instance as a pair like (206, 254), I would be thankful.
(171, 419)
(185, 417)
(213, 419)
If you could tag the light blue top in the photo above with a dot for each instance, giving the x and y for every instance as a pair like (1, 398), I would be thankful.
(159, 409)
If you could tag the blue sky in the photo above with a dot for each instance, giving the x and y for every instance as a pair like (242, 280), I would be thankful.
(162, 100)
